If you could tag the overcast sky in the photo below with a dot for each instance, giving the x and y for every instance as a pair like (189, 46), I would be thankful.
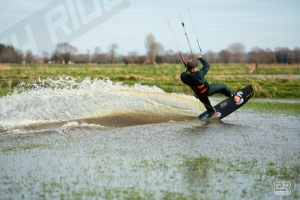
(218, 23)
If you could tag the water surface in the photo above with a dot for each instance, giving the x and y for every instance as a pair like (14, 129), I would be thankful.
(101, 140)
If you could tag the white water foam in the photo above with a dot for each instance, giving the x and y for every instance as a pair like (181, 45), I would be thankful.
(64, 100)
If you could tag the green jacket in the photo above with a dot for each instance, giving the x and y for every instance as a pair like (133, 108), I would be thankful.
(196, 78)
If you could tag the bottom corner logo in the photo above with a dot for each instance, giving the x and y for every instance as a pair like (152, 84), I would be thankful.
(282, 187)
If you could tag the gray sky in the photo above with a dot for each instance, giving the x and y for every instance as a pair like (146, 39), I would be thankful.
(218, 23)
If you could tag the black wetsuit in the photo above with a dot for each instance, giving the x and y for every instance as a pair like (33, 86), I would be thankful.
(197, 82)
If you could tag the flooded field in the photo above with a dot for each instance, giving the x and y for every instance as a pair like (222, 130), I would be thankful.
(106, 141)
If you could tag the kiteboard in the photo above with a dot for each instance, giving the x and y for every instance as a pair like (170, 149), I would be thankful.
(228, 106)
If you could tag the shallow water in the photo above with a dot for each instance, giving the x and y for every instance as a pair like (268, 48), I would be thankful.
(170, 154)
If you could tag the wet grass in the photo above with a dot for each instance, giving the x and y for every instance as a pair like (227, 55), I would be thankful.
(262, 106)
(165, 76)
(200, 177)
(21, 146)
(265, 88)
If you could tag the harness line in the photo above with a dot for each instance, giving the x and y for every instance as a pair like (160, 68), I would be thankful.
(201, 52)
(182, 23)
(182, 58)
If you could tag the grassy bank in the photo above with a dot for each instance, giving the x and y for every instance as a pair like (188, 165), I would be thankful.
(166, 76)
(274, 107)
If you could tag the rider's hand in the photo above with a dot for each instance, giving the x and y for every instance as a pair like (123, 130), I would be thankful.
(198, 57)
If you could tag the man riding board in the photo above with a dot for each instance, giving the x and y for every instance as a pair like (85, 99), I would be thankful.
(194, 78)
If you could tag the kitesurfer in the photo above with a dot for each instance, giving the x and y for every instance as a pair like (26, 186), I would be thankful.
(194, 78)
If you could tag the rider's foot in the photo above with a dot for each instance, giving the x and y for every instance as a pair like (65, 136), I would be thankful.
(236, 98)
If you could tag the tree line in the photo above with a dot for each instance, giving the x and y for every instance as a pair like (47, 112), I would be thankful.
(66, 53)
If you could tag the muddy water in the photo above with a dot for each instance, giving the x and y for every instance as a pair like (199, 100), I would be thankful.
(239, 157)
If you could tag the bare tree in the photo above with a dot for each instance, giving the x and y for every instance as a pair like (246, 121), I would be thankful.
(255, 55)
(112, 51)
(210, 56)
(258, 55)
(167, 57)
(101, 58)
(127, 60)
(134, 58)
(283, 55)
(296, 55)
(224, 56)
(96, 58)
(80, 58)
(270, 56)
(88, 56)
(237, 51)
(171, 57)
(66, 51)
(130, 59)
(159, 53)
(56, 57)
(10, 55)
(28, 57)
(2, 46)
(141, 59)
(151, 48)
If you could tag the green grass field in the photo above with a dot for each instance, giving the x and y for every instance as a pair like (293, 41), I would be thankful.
(166, 76)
